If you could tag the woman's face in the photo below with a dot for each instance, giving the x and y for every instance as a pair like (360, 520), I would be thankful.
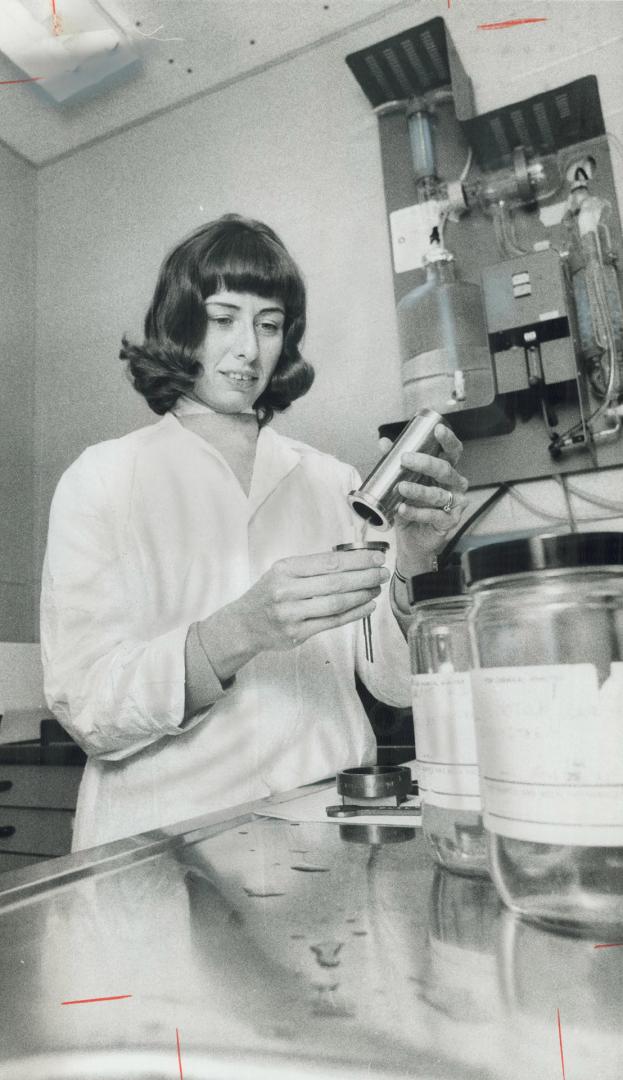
(242, 345)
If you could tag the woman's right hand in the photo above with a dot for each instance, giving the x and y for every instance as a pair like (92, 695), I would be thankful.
(305, 595)
(297, 598)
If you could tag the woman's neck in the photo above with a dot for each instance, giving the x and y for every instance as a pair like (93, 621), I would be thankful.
(234, 435)
(228, 428)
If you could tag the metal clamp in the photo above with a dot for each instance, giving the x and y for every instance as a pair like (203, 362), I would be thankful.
(404, 810)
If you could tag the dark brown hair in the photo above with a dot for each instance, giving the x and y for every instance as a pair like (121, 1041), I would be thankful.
(232, 253)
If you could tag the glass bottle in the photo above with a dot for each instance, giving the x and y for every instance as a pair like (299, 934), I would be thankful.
(444, 346)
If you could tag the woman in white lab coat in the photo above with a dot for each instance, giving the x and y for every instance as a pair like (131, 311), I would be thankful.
(200, 638)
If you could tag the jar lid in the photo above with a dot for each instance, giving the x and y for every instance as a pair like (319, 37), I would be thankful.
(550, 551)
(436, 585)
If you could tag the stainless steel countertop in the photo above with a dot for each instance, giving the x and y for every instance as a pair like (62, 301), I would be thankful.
(271, 950)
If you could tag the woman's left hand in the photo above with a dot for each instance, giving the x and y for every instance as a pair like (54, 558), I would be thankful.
(429, 513)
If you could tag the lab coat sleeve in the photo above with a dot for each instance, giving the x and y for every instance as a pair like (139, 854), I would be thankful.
(388, 678)
(115, 694)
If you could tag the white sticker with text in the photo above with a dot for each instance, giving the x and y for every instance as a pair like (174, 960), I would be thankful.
(550, 743)
(445, 743)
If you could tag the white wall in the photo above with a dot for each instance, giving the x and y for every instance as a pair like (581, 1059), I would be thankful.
(297, 146)
(17, 376)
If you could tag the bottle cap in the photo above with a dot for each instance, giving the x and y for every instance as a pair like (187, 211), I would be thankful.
(436, 585)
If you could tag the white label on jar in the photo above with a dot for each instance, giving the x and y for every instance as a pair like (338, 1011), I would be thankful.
(445, 741)
(550, 743)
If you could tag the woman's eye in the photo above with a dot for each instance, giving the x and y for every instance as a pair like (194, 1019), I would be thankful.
(270, 328)
(221, 320)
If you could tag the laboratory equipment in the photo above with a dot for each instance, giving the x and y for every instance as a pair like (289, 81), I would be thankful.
(443, 340)
(369, 545)
(530, 178)
(589, 228)
(374, 782)
(378, 498)
(546, 632)
(507, 247)
(422, 146)
(445, 741)
(377, 790)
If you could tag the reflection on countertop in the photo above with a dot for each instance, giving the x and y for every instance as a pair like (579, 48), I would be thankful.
(308, 949)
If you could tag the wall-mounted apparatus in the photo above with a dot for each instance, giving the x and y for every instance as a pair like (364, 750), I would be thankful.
(506, 247)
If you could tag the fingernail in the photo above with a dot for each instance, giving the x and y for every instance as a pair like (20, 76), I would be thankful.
(385, 574)
(378, 558)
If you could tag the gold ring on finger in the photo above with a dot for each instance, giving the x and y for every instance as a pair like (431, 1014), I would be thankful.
(447, 509)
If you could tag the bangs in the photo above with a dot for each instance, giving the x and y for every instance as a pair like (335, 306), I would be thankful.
(249, 262)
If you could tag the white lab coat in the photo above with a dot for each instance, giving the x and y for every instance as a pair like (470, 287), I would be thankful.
(150, 533)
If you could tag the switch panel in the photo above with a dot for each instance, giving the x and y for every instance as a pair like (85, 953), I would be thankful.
(521, 284)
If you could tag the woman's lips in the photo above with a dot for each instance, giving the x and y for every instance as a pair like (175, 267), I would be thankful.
(239, 380)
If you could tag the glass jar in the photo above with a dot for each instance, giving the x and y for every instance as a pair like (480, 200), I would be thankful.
(546, 628)
(445, 744)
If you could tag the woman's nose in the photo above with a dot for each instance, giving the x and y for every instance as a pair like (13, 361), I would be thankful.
(246, 342)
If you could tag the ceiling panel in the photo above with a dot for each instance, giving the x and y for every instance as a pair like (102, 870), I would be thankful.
(187, 48)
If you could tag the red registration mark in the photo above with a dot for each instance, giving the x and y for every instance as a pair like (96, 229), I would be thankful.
(509, 22)
(88, 1001)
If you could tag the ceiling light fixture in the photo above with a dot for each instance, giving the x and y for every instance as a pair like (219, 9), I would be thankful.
(68, 46)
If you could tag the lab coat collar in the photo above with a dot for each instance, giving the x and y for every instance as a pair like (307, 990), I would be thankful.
(275, 458)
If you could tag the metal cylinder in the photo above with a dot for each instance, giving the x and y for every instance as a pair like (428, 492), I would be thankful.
(377, 500)
(374, 781)
(365, 545)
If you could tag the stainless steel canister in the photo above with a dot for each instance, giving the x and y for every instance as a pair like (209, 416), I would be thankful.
(378, 498)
